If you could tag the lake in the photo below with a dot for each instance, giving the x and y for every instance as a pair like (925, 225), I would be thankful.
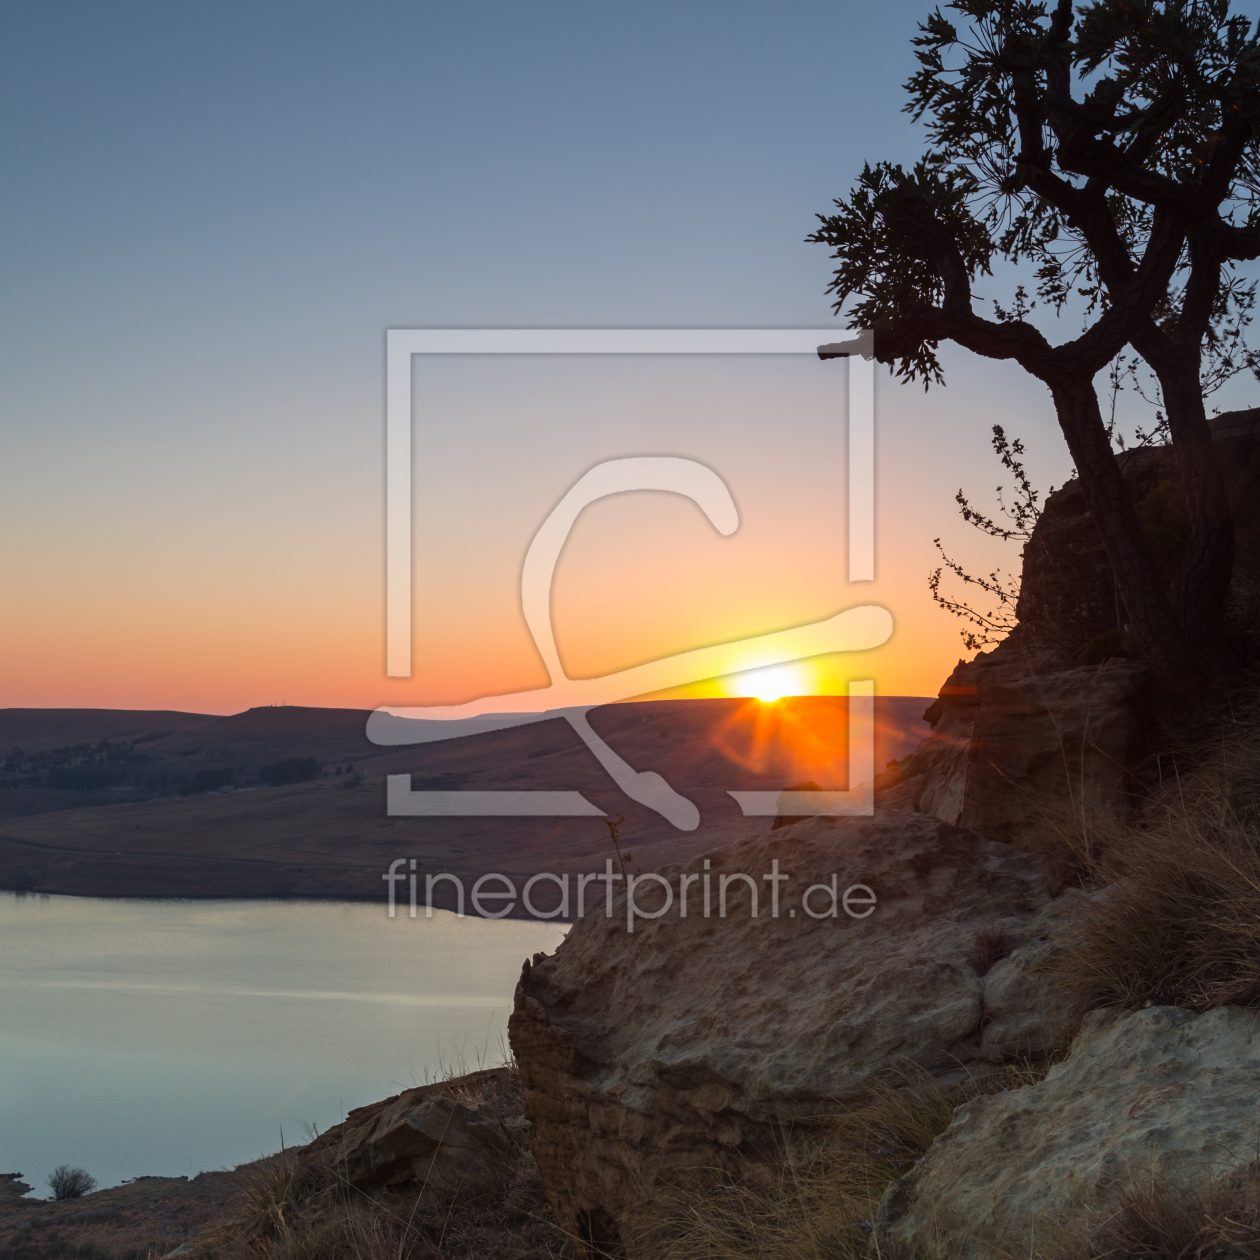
(172, 1037)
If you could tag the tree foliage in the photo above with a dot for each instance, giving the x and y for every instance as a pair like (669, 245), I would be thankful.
(1108, 158)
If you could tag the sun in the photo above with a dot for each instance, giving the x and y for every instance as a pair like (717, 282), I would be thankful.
(771, 683)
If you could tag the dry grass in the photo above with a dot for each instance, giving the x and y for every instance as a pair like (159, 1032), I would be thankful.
(1157, 1218)
(991, 946)
(1176, 918)
(818, 1200)
(299, 1207)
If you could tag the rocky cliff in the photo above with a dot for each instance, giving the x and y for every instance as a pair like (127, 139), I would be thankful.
(1057, 713)
(676, 1041)
(699, 1041)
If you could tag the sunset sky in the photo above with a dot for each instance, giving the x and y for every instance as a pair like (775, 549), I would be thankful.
(212, 213)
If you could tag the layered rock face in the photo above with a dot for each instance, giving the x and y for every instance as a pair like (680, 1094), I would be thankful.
(1025, 723)
(695, 1042)
(1161, 1092)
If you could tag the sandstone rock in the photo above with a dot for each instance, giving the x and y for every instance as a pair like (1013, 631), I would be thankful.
(892, 791)
(782, 819)
(1066, 593)
(1027, 723)
(1005, 741)
(1161, 1090)
(519, 1130)
(694, 1042)
(432, 1130)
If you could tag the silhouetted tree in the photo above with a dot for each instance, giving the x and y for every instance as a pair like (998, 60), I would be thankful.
(1137, 197)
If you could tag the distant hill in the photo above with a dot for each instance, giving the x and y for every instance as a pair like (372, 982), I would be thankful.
(39, 728)
(332, 838)
(153, 753)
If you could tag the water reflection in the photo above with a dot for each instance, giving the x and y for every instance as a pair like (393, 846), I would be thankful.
(174, 1036)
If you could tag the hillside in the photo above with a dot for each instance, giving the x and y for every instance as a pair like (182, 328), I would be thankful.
(331, 838)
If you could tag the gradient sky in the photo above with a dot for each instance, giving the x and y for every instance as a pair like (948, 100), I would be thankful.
(210, 216)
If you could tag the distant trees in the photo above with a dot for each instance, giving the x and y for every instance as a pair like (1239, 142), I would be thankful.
(210, 780)
(79, 767)
(290, 770)
(70, 1183)
(82, 778)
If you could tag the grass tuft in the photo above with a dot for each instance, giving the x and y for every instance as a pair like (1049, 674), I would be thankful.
(991, 946)
(1176, 918)
(1163, 1219)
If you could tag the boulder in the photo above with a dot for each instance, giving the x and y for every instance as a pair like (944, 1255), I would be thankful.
(1006, 740)
(1161, 1093)
(785, 819)
(695, 1042)
(420, 1133)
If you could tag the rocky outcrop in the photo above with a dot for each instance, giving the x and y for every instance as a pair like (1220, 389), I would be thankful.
(1161, 1093)
(1006, 741)
(421, 1133)
(1057, 712)
(657, 1045)
(1067, 598)
(696, 1042)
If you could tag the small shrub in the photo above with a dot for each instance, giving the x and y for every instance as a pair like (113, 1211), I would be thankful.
(298, 1205)
(1102, 647)
(70, 1183)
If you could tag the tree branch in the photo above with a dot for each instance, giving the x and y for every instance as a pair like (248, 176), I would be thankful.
(1014, 340)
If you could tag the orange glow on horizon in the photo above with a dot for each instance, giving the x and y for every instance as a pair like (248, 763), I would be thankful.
(802, 737)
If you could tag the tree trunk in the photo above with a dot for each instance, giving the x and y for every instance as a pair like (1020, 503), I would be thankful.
(1203, 585)
(1176, 667)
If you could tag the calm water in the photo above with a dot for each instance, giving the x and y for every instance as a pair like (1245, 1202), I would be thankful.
(171, 1037)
